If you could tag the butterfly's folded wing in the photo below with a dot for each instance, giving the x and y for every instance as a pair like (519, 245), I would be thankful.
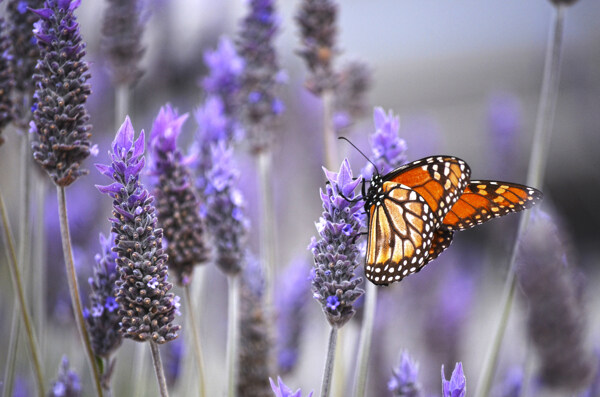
(484, 200)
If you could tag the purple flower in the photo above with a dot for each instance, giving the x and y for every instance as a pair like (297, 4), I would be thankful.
(336, 254)
(389, 150)
(224, 210)
(457, 385)
(146, 307)
(255, 45)
(224, 78)
(174, 353)
(60, 119)
(67, 384)
(103, 325)
(354, 80)
(512, 384)
(504, 126)
(292, 289)
(404, 378)
(122, 29)
(281, 390)
(7, 79)
(177, 201)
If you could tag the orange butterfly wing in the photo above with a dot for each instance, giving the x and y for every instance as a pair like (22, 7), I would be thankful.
(440, 180)
(484, 200)
(401, 230)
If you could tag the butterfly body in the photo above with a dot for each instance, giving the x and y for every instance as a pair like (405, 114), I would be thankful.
(414, 210)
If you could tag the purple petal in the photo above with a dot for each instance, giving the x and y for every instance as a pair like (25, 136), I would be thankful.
(64, 4)
(139, 145)
(105, 169)
(124, 137)
(379, 117)
(112, 188)
(74, 4)
(45, 13)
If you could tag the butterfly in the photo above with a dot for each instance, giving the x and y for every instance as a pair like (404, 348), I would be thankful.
(414, 210)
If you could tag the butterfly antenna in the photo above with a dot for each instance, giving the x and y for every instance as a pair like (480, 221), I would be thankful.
(359, 151)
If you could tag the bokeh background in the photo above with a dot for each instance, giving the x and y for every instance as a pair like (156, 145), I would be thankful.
(463, 75)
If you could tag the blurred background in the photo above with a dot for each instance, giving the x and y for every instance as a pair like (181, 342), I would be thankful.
(464, 77)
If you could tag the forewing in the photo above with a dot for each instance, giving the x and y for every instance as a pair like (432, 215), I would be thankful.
(442, 238)
(440, 180)
(484, 200)
(400, 235)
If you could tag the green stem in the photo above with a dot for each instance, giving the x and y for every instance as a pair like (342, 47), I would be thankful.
(158, 370)
(364, 346)
(16, 278)
(535, 176)
(196, 340)
(74, 288)
(232, 333)
(11, 357)
(139, 362)
(327, 372)
(331, 160)
(39, 275)
(122, 103)
(267, 230)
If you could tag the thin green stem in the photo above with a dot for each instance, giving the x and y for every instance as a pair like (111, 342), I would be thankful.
(364, 347)
(232, 333)
(39, 275)
(11, 357)
(122, 103)
(267, 230)
(535, 177)
(16, 278)
(158, 370)
(139, 388)
(328, 371)
(196, 339)
(331, 155)
(74, 288)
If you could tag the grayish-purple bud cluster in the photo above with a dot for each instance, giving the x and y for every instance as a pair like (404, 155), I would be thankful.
(122, 30)
(7, 79)
(60, 119)
(67, 383)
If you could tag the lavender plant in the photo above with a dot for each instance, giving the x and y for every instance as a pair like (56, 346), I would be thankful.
(7, 79)
(67, 383)
(25, 53)
(146, 307)
(122, 29)
(404, 378)
(261, 75)
(103, 317)
(293, 287)
(176, 199)
(60, 119)
(457, 385)
(350, 94)
(281, 390)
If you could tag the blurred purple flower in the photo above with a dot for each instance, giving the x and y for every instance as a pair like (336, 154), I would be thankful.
(354, 80)
(389, 150)
(504, 125)
(292, 290)
(512, 384)
(7, 79)
(336, 253)
(67, 384)
(404, 378)
(260, 77)
(457, 385)
(281, 390)
(174, 354)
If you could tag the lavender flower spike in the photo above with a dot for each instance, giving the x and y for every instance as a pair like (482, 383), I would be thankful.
(7, 79)
(457, 385)
(336, 253)
(145, 305)
(176, 198)
(67, 384)
(281, 390)
(404, 378)
(389, 150)
(60, 120)
(103, 316)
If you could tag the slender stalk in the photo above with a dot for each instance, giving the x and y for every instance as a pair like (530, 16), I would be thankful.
(15, 274)
(158, 370)
(122, 102)
(139, 388)
(331, 160)
(364, 347)
(338, 386)
(39, 251)
(74, 288)
(232, 333)
(11, 357)
(535, 176)
(196, 340)
(326, 382)
(267, 230)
